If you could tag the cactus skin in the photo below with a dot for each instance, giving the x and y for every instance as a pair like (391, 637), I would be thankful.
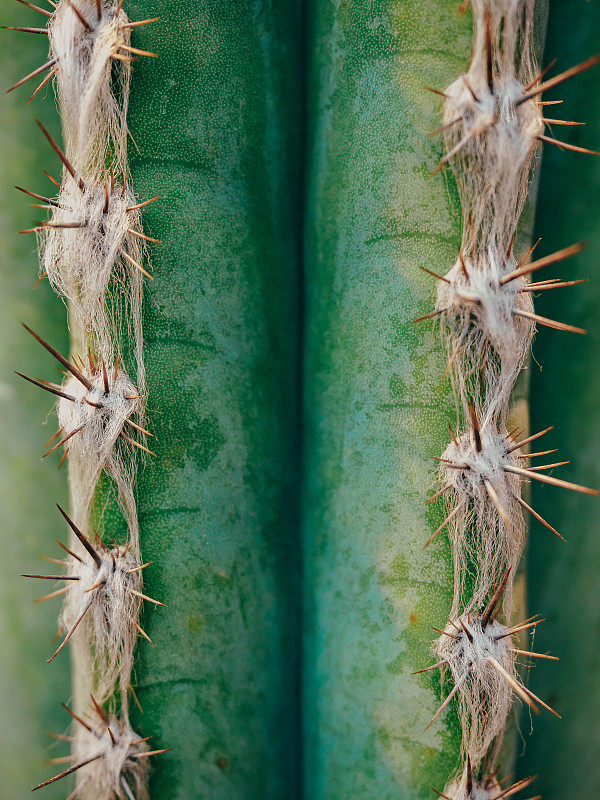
(375, 411)
(30, 690)
(564, 582)
(216, 119)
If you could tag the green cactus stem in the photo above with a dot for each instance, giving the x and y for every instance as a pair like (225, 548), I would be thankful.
(376, 409)
(216, 124)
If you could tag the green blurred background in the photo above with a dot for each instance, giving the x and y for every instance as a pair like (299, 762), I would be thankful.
(564, 578)
(30, 689)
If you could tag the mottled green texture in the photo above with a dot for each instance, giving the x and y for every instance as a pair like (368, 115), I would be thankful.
(564, 579)
(30, 689)
(216, 120)
(375, 411)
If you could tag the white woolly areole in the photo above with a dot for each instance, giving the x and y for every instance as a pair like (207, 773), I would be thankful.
(93, 267)
(86, 264)
(488, 789)
(484, 541)
(483, 327)
(484, 694)
(479, 791)
(79, 261)
(493, 138)
(107, 638)
(93, 88)
(104, 601)
(492, 167)
(98, 418)
(490, 134)
(118, 773)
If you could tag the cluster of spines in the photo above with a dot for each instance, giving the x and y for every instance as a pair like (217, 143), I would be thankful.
(109, 744)
(95, 223)
(124, 53)
(492, 124)
(489, 788)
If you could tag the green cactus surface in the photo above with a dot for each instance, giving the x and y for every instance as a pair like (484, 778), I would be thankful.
(376, 409)
(216, 124)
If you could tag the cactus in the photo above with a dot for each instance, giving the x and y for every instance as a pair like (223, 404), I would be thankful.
(218, 504)
(221, 367)
(207, 365)
(492, 123)
(375, 410)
